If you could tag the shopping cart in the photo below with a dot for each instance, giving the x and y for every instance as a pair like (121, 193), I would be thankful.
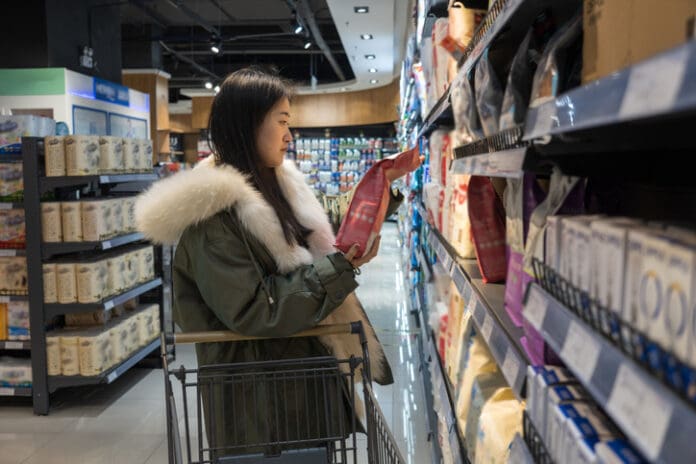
(238, 421)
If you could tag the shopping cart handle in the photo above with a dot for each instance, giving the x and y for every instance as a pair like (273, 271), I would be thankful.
(229, 336)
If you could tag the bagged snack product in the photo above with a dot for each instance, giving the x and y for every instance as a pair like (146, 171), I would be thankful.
(478, 361)
(489, 94)
(365, 215)
(501, 419)
(462, 24)
(487, 218)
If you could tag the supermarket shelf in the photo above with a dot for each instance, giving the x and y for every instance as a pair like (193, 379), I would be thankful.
(8, 391)
(59, 381)
(508, 163)
(15, 345)
(662, 86)
(488, 310)
(51, 249)
(657, 422)
(440, 114)
(49, 183)
(11, 205)
(56, 309)
(13, 252)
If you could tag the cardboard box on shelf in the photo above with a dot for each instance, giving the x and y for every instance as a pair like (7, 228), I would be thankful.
(619, 33)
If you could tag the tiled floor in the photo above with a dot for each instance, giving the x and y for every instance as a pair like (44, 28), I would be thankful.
(124, 422)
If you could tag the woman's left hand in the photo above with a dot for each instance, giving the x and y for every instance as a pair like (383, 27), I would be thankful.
(366, 257)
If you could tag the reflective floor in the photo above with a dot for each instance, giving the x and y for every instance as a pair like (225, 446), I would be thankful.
(125, 423)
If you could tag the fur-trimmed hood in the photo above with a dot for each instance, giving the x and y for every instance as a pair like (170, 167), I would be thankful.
(190, 197)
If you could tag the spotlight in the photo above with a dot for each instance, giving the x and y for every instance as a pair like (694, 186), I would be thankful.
(208, 85)
(373, 70)
(307, 45)
(366, 36)
(217, 88)
(216, 45)
(299, 28)
(369, 57)
(361, 9)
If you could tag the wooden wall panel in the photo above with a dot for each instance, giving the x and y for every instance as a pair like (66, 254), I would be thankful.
(181, 123)
(200, 111)
(375, 106)
(162, 102)
(157, 87)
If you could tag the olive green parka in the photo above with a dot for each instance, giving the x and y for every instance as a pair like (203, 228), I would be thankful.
(233, 269)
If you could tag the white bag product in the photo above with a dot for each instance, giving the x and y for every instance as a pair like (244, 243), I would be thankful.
(51, 223)
(94, 220)
(500, 420)
(53, 354)
(66, 280)
(91, 280)
(50, 283)
(94, 351)
(82, 155)
(71, 217)
(110, 154)
(54, 157)
(131, 155)
(69, 353)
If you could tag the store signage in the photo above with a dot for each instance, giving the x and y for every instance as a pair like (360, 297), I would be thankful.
(110, 92)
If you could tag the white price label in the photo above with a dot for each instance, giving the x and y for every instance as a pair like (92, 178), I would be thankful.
(511, 366)
(7, 392)
(106, 245)
(6, 205)
(580, 351)
(640, 411)
(653, 85)
(471, 305)
(535, 308)
(111, 377)
(14, 345)
(487, 329)
(6, 252)
(109, 304)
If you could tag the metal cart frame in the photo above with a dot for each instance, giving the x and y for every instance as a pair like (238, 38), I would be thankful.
(323, 385)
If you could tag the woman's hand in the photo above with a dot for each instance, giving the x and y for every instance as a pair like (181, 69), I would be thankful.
(366, 257)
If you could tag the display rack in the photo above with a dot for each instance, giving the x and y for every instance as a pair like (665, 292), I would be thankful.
(492, 321)
(654, 418)
(41, 314)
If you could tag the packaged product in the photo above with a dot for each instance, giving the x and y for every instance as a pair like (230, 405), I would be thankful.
(679, 300)
(82, 155)
(501, 419)
(484, 388)
(110, 154)
(463, 23)
(459, 222)
(118, 216)
(133, 338)
(466, 120)
(12, 228)
(576, 259)
(575, 422)
(94, 220)
(455, 315)
(489, 95)
(54, 148)
(146, 263)
(461, 344)
(487, 217)
(66, 281)
(128, 210)
(13, 275)
(51, 223)
(14, 127)
(131, 155)
(440, 56)
(560, 66)
(99, 317)
(3, 321)
(118, 334)
(71, 217)
(94, 351)
(144, 320)
(91, 280)
(15, 372)
(18, 320)
(617, 451)
(146, 153)
(365, 215)
(70, 353)
(53, 355)
(557, 395)
(132, 264)
(478, 361)
(11, 179)
(116, 274)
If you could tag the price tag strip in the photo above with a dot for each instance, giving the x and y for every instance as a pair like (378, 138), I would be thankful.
(535, 307)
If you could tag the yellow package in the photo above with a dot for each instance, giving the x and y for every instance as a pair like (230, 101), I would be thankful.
(484, 388)
(479, 361)
(501, 419)
(3, 321)
(459, 224)
(454, 318)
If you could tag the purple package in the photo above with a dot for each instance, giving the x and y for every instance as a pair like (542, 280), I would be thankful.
(527, 199)
(532, 341)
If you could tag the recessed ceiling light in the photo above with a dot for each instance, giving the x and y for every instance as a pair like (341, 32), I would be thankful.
(298, 28)
(208, 85)
(373, 70)
(217, 88)
(369, 57)
(361, 9)
(373, 81)
(366, 36)
(307, 45)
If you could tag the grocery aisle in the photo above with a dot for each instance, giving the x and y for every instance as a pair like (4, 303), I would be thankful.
(124, 422)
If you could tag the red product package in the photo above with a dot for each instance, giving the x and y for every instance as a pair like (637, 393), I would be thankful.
(365, 215)
(487, 217)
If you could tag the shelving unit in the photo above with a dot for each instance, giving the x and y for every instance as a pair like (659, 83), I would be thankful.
(155, 290)
(664, 425)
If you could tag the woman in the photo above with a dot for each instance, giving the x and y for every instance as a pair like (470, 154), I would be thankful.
(255, 253)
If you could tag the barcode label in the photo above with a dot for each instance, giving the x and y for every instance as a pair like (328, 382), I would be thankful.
(511, 366)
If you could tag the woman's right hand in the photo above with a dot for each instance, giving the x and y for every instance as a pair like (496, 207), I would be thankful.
(366, 257)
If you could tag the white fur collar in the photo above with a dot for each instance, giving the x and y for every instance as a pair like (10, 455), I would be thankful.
(171, 205)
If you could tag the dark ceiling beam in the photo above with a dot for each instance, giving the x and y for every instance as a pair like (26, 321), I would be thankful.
(224, 11)
(258, 52)
(154, 15)
(189, 61)
(181, 6)
(303, 9)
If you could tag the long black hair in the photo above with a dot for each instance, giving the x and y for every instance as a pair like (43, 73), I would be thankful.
(238, 110)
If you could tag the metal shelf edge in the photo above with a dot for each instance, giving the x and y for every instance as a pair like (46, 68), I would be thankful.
(506, 163)
(54, 248)
(20, 345)
(662, 428)
(56, 309)
(59, 381)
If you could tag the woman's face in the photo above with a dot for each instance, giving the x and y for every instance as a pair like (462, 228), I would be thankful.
(274, 135)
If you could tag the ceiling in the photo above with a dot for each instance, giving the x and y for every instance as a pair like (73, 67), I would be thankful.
(263, 32)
